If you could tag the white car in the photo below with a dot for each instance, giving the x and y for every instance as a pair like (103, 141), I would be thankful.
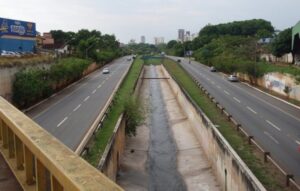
(233, 78)
(105, 71)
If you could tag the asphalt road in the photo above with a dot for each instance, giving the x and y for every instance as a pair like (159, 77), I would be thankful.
(274, 124)
(69, 114)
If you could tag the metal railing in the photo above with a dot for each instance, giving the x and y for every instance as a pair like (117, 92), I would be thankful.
(289, 178)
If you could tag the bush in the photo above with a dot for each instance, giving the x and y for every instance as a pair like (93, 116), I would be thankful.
(30, 86)
(133, 115)
(33, 85)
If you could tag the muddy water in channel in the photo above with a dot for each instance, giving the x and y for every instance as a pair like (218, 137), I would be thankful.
(162, 163)
(149, 161)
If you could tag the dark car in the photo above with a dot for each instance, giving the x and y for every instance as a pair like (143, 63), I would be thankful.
(213, 69)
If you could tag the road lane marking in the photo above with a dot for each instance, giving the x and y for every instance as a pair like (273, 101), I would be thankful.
(226, 92)
(271, 137)
(249, 108)
(298, 142)
(219, 87)
(62, 121)
(272, 124)
(236, 99)
(94, 91)
(212, 82)
(78, 106)
(86, 98)
(272, 105)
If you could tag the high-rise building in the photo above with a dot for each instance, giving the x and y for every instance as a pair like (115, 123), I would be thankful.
(159, 40)
(143, 39)
(181, 35)
(187, 36)
(132, 41)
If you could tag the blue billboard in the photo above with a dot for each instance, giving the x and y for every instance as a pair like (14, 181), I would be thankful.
(17, 28)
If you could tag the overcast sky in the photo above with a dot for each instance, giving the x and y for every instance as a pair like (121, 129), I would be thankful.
(130, 19)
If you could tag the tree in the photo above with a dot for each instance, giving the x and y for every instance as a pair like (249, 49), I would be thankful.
(282, 43)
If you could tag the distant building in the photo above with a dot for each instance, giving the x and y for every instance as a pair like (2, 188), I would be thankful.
(132, 41)
(159, 40)
(48, 41)
(17, 36)
(187, 36)
(143, 39)
(181, 35)
(296, 43)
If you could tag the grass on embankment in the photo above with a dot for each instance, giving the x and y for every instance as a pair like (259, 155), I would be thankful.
(102, 137)
(25, 60)
(239, 144)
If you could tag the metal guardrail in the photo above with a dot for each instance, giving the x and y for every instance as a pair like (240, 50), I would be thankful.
(289, 178)
(40, 161)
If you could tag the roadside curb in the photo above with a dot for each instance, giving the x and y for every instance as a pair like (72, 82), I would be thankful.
(293, 105)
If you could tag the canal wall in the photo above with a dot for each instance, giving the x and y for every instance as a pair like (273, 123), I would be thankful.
(231, 172)
(110, 160)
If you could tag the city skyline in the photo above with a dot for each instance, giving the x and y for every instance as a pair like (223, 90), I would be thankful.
(131, 19)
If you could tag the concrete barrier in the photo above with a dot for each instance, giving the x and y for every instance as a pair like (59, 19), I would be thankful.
(110, 159)
(232, 173)
(7, 77)
(40, 161)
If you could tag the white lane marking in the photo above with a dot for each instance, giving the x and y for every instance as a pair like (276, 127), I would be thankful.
(272, 124)
(226, 92)
(208, 79)
(99, 86)
(94, 91)
(212, 82)
(236, 99)
(62, 121)
(271, 137)
(78, 106)
(249, 108)
(86, 98)
(298, 142)
(272, 105)
(219, 87)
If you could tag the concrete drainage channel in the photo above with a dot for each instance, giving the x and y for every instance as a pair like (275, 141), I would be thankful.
(177, 148)
(165, 154)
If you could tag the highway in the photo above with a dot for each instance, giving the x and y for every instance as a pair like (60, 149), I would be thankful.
(274, 124)
(69, 114)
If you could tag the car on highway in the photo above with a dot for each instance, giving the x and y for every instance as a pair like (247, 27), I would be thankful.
(213, 69)
(128, 59)
(178, 60)
(105, 71)
(233, 78)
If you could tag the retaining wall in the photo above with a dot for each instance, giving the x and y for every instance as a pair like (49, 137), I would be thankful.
(277, 82)
(7, 77)
(109, 163)
(231, 172)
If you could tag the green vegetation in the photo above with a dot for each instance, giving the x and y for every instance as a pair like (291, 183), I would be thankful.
(282, 43)
(89, 44)
(120, 103)
(133, 115)
(266, 175)
(25, 60)
(235, 47)
(32, 85)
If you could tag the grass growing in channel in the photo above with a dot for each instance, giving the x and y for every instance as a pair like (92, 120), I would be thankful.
(102, 137)
(240, 145)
